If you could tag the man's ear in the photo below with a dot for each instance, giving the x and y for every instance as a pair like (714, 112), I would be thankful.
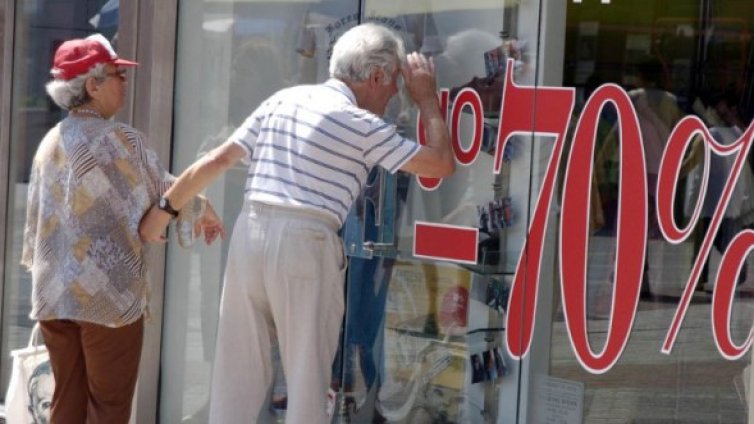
(377, 77)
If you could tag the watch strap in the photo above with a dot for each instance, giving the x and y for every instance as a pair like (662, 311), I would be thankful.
(164, 204)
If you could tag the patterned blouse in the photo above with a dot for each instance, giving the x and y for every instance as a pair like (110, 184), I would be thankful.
(91, 182)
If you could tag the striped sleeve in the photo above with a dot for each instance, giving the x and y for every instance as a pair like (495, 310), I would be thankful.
(387, 148)
(246, 135)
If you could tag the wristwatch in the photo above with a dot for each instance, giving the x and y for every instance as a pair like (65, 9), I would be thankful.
(164, 205)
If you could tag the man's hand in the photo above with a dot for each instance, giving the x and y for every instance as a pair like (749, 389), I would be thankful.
(435, 158)
(419, 77)
(153, 225)
(209, 224)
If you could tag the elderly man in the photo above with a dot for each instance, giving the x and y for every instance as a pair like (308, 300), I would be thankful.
(310, 150)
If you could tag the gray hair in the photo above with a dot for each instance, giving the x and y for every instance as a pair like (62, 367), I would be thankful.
(72, 93)
(365, 47)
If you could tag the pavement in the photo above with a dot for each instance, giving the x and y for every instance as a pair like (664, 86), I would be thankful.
(692, 384)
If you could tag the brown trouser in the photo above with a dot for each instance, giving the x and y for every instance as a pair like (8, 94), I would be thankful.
(95, 369)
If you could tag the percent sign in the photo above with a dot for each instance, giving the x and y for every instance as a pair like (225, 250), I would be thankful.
(734, 257)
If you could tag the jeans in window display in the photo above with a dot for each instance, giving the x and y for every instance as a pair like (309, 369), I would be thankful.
(368, 285)
(366, 296)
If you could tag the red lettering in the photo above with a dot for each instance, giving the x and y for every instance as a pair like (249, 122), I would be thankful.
(467, 96)
(530, 111)
(725, 291)
(667, 182)
(686, 129)
(546, 111)
(574, 228)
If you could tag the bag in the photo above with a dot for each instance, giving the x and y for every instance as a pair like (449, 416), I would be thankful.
(29, 395)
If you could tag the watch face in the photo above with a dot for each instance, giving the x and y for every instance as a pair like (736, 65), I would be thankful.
(164, 204)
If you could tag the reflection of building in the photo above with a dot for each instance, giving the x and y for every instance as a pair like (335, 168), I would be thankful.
(206, 64)
(52, 23)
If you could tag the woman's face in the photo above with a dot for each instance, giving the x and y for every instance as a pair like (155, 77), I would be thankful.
(110, 93)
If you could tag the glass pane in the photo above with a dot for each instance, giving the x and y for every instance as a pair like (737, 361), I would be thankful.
(673, 59)
(40, 28)
(424, 338)
(231, 56)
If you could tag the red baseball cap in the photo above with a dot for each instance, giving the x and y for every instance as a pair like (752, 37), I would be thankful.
(78, 56)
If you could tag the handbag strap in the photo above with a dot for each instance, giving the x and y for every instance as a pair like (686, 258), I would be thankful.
(35, 339)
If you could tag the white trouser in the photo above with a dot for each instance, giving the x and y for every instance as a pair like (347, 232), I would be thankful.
(283, 283)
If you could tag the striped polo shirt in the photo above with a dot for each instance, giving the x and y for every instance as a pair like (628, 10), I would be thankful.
(311, 147)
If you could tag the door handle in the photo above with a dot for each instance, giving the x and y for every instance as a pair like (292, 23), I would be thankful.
(373, 247)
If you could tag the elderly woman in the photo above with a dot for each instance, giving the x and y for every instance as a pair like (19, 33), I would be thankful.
(91, 181)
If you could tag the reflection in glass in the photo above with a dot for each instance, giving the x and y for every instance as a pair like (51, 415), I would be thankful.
(413, 326)
(675, 59)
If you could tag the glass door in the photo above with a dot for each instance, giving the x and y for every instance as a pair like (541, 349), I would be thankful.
(432, 262)
(667, 63)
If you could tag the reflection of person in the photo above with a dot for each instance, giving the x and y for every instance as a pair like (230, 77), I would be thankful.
(255, 74)
(311, 149)
(477, 368)
(726, 127)
(91, 181)
(40, 388)
(489, 365)
(499, 362)
(657, 111)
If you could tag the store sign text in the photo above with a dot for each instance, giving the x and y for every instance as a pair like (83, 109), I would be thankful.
(546, 111)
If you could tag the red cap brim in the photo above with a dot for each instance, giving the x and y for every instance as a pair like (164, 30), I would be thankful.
(124, 62)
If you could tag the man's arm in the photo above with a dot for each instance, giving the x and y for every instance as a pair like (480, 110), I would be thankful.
(192, 181)
(434, 159)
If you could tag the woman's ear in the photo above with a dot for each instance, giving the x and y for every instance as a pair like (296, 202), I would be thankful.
(91, 86)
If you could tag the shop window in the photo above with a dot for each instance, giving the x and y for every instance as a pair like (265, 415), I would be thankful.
(674, 60)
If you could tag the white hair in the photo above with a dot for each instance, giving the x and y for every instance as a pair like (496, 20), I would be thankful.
(72, 93)
(363, 48)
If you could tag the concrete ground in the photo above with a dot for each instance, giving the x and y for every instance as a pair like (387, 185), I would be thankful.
(693, 384)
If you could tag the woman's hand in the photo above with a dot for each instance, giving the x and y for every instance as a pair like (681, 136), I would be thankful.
(210, 224)
(153, 225)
